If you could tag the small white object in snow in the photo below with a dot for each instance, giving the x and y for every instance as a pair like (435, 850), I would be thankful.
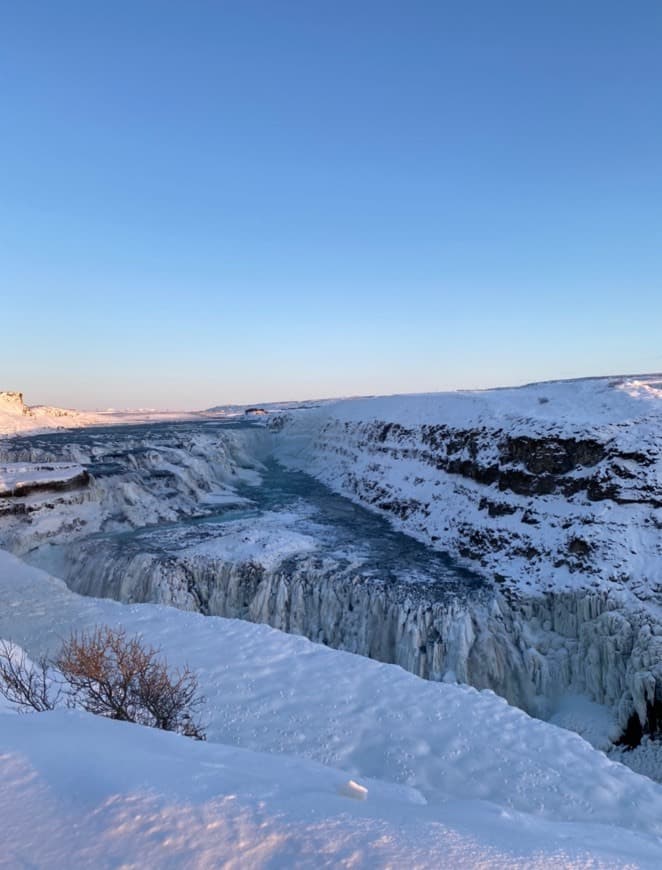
(352, 789)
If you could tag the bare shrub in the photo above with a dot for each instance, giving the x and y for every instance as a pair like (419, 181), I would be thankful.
(28, 685)
(171, 699)
(109, 674)
(120, 677)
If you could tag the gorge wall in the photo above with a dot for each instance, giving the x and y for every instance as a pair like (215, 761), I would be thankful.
(553, 491)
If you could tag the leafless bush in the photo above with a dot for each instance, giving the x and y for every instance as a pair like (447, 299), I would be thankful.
(120, 677)
(109, 674)
(26, 684)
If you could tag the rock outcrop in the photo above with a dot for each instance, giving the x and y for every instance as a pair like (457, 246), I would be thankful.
(538, 502)
(12, 403)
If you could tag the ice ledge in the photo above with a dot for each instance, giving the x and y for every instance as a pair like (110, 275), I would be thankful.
(22, 478)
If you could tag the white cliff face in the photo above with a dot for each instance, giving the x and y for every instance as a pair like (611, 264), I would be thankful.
(531, 651)
(11, 402)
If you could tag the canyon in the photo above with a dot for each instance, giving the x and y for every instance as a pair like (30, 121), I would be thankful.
(510, 540)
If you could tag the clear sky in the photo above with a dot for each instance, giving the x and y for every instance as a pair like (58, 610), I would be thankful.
(209, 202)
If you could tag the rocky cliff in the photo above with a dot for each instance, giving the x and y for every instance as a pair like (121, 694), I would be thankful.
(552, 491)
(536, 492)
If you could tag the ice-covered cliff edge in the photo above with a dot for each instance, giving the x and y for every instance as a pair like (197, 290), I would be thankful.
(531, 650)
(553, 490)
(548, 486)
(60, 487)
(18, 478)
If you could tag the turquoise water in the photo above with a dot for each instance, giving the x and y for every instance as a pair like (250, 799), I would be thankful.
(345, 533)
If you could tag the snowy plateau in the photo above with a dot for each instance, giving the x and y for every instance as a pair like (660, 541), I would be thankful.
(427, 628)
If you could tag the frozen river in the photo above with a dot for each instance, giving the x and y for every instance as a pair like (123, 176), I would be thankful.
(334, 528)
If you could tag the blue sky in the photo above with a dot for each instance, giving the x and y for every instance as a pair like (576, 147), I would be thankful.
(207, 202)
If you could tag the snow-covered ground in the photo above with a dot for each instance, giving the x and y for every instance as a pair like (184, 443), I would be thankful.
(584, 618)
(564, 406)
(455, 777)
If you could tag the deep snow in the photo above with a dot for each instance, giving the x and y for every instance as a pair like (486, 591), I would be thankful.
(455, 777)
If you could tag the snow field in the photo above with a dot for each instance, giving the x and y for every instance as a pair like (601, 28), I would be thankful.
(455, 777)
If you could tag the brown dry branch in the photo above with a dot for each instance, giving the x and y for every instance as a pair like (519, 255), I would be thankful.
(30, 686)
(113, 675)
(107, 673)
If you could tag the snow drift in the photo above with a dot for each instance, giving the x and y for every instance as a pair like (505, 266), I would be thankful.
(455, 777)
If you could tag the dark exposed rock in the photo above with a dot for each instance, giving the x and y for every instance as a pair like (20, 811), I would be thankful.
(496, 509)
(527, 465)
(552, 455)
(400, 508)
(22, 489)
(579, 547)
(634, 731)
(523, 483)
(529, 518)
(9, 508)
(599, 489)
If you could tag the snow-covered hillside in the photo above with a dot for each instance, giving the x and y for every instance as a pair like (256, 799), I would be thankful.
(549, 494)
(455, 777)
(18, 418)
(549, 486)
